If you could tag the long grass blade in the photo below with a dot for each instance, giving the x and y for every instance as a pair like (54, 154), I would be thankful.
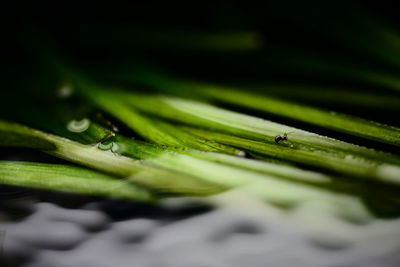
(331, 120)
(154, 130)
(233, 123)
(350, 165)
(91, 156)
(71, 179)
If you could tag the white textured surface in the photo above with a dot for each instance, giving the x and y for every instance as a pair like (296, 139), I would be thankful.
(56, 237)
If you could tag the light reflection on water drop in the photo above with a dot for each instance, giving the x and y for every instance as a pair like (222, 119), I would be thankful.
(115, 128)
(115, 148)
(109, 146)
(78, 126)
(241, 153)
(65, 91)
(105, 145)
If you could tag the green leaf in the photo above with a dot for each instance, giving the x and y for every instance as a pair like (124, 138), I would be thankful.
(13, 135)
(331, 120)
(65, 178)
(137, 171)
(350, 165)
(154, 130)
(212, 118)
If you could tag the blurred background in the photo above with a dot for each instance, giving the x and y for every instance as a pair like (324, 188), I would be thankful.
(307, 51)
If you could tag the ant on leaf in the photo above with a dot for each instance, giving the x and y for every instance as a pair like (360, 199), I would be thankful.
(283, 137)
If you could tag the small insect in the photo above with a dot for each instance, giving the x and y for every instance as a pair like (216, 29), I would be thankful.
(280, 138)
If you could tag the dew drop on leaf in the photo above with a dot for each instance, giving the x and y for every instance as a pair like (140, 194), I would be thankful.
(65, 91)
(78, 126)
(241, 153)
(115, 148)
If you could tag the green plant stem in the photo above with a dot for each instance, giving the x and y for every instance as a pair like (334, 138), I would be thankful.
(359, 167)
(331, 120)
(157, 179)
(216, 176)
(220, 120)
(71, 179)
(147, 151)
(156, 131)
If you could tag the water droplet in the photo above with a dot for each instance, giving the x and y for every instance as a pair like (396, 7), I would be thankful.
(105, 145)
(241, 153)
(110, 145)
(388, 172)
(115, 129)
(65, 91)
(78, 126)
(348, 157)
(115, 148)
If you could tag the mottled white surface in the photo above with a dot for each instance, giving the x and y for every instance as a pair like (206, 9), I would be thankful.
(53, 236)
